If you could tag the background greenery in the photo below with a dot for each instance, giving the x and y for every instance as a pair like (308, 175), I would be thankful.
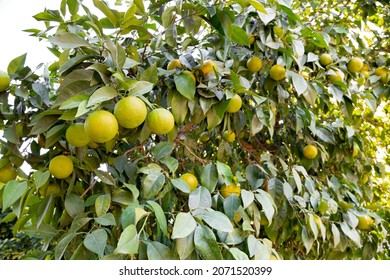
(125, 199)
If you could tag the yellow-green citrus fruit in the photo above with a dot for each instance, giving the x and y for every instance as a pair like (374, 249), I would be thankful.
(160, 121)
(208, 67)
(190, 179)
(355, 151)
(189, 73)
(323, 207)
(365, 222)
(101, 126)
(235, 104)
(269, 84)
(277, 72)
(204, 137)
(130, 112)
(5, 80)
(336, 78)
(61, 167)
(345, 205)
(325, 59)
(310, 151)
(355, 65)
(50, 189)
(251, 39)
(229, 136)
(7, 173)
(278, 31)
(76, 136)
(254, 64)
(231, 189)
(173, 64)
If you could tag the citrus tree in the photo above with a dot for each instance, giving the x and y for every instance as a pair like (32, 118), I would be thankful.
(201, 130)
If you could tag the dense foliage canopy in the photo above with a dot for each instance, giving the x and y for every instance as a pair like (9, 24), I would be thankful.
(289, 150)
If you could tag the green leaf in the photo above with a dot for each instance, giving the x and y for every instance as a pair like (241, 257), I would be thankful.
(336, 235)
(44, 124)
(102, 204)
(41, 178)
(171, 35)
(225, 172)
(185, 85)
(206, 243)
(258, 6)
(112, 17)
(200, 198)
(247, 198)
(158, 251)
(150, 74)
(160, 216)
(74, 205)
(179, 107)
(209, 177)
(217, 220)
(105, 177)
(307, 239)
(171, 163)
(184, 225)
(107, 219)
(352, 233)
(325, 135)
(45, 209)
(48, 15)
(67, 40)
(62, 245)
(239, 36)
(185, 246)
(128, 241)
(140, 87)
(152, 184)
(299, 83)
(254, 245)
(16, 64)
(267, 202)
(231, 205)
(238, 254)
(96, 241)
(102, 94)
(268, 16)
(74, 101)
(73, 62)
(162, 149)
(13, 191)
(181, 185)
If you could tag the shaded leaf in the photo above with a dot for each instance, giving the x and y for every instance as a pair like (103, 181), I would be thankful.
(128, 241)
(206, 244)
(13, 191)
(96, 241)
(217, 220)
(184, 225)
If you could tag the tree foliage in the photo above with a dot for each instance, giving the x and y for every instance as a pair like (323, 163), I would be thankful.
(125, 198)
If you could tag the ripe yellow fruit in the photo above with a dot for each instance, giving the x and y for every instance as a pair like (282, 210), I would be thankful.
(189, 73)
(76, 136)
(325, 59)
(277, 72)
(5, 80)
(130, 112)
(235, 104)
(231, 189)
(7, 173)
(61, 167)
(382, 72)
(101, 126)
(310, 151)
(209, 66)
(229, 136)
(50, 189)
(190, 179)
(365, 222)
(254, 64)
(336, 78)
(160, 121)
(173, 64)
(355, 65)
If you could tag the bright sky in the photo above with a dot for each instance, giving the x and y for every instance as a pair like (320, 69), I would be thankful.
(15, 16)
